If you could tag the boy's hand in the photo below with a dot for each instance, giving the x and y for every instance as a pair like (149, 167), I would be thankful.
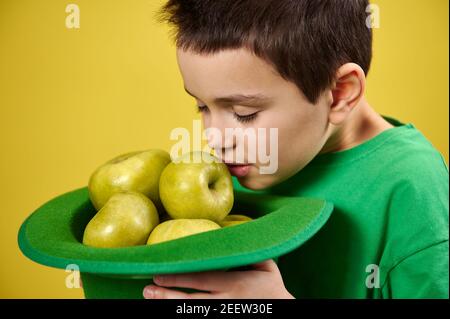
(261, 282)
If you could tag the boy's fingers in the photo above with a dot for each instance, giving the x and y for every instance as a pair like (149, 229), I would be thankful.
(154, 292)
(206, 281)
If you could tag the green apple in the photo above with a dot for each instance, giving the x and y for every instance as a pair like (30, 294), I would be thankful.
(125, 220)
(135, 171)
(177, 228)
(234, 219)
(197, 186)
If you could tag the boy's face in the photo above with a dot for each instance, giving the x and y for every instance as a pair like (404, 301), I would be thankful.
(302, 126)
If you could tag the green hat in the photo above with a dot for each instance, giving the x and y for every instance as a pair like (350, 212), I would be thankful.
(53, 234)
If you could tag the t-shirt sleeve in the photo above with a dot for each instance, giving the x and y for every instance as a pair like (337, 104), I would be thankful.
(422, 275)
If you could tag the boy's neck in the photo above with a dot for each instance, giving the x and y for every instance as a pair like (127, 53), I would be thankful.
(362, 125)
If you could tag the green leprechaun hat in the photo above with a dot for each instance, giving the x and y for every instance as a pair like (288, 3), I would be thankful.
(53, 234)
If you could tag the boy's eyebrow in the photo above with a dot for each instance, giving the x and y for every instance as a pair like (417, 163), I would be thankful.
(237, 98)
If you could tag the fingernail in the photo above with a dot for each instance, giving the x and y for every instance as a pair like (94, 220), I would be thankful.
(148, 292)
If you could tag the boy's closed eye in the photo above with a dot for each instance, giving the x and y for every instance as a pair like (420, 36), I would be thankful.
(239, 116)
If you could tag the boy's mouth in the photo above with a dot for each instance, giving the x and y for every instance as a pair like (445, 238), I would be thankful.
(238, 170)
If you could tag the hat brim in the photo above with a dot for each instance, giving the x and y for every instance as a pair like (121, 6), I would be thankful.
(52, 236)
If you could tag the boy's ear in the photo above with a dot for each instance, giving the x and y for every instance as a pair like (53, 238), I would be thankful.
(347, 91)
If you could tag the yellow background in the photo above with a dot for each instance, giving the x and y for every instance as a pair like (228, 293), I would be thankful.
(72, 98)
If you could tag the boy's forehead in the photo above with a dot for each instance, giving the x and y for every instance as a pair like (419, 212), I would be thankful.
(225, 71)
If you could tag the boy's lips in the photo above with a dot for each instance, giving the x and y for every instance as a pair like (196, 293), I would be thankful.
(238, 170)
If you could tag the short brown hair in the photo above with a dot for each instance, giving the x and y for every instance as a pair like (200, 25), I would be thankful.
(305, 40)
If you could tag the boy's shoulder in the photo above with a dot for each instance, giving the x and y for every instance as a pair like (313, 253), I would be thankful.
(408, 161)
(417, 203)
(399, 155)
(411, 158)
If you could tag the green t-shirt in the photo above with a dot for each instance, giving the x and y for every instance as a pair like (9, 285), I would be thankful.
(388, 234)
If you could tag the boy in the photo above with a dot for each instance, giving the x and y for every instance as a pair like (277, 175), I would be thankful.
(300, 66)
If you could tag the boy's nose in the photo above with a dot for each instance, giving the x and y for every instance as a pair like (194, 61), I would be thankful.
(220, 140)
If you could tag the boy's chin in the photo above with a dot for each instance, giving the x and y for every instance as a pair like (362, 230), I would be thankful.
(257, 181)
